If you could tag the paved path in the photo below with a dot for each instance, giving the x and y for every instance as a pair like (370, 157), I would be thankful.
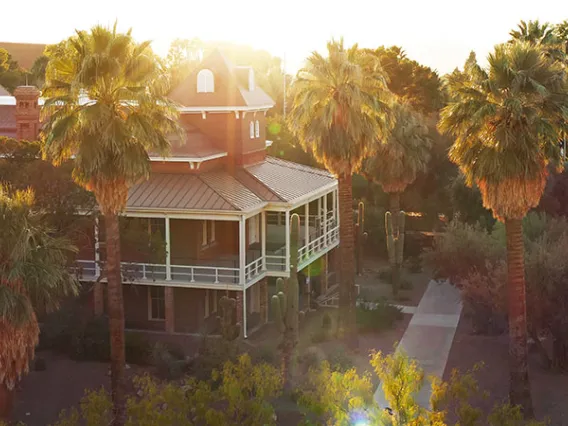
(430, 334)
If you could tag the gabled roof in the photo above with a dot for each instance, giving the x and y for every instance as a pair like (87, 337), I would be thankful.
(286, 181)
(184, 192)
(231, 90)
(24, 53)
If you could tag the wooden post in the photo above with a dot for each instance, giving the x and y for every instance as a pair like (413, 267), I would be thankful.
(287, 241)
(242, 250)
(306, 226)
(168, 251)
(263, 238)
(325, 239)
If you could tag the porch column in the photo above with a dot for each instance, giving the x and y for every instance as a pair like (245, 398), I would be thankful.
(169, 302)
(242, 250)
(287, 240)
(306, 225)
(319, 213)
(98, 291)
(335, 206)
(325, 239)
(168, 251)
(263, 238)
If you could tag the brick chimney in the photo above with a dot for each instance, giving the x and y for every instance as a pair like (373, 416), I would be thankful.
(27, 112)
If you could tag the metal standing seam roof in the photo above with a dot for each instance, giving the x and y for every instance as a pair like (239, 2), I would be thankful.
(289, 181)
(209, 191)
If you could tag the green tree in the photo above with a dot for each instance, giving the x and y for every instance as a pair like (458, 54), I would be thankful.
(33, 279)
(105, 104)
(397, 162)
(339, 110)
(507, 121)
(544, 35)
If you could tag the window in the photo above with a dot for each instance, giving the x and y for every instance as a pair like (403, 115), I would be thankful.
(207, 232)
(251, 130)
(257, 129)
(205, 81)
(253, 229)
(157, 303)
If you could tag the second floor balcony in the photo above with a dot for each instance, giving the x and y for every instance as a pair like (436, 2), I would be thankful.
(216, 252)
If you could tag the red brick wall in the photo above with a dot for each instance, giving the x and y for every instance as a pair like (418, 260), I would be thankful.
(189, 309)
(136, 309)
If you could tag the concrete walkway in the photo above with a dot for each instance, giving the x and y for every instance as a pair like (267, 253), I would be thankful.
(430, 334)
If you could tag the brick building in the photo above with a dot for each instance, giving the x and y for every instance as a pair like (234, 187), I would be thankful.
(220, 203)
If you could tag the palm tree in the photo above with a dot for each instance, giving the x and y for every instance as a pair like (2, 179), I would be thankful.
(33, 278)
(507, 120)
(106, 106)
(398, 161)
(544, 35)
(339, 110)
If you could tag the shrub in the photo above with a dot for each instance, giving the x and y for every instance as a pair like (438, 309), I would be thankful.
(462, 249)
(168, 365)
(377, 316)
(212, 354)
(242, 395)
(339, 359)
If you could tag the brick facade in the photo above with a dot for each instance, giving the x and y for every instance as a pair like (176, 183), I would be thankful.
(27, 112)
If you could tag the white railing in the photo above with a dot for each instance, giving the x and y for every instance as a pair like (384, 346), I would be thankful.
(253, 269)
(276, 262)
(84, 268)
(207, 274)
(318, 244)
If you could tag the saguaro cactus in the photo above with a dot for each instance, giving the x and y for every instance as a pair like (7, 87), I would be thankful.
(285, 302)
(230, 329)
(360, 237)
(395, 246)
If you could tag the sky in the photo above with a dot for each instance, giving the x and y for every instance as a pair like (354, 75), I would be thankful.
(437, 33)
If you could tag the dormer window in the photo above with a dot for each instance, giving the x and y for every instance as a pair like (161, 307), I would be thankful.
(251, 130)
(251, 79)
(257, 129)
(205, 81)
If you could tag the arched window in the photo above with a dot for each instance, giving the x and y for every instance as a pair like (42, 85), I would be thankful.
(251, 130)
(205, 81)
(257, 129)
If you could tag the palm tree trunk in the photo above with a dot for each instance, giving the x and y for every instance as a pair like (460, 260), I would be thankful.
(394, 207)
(6, 403)
(116, 320)
(520, 392)
(347, 318)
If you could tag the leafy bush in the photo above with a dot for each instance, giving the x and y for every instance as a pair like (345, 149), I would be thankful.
(168, 365)
(239, 393)
(377, 316)
(345, 397)
(212, 354)
(86, 338)
(462, 249)
(340, 360)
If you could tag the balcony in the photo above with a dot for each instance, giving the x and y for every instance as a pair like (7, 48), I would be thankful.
(224, 254)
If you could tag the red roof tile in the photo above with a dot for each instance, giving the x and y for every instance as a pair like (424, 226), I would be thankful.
(8, 120)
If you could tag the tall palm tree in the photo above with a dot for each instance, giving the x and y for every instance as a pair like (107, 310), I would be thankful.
(339, 110)
(398, 161)
(544, 35)
(106, 106)
(507, 120)
(33, 277)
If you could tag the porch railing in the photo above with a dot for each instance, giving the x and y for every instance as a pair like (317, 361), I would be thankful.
(318, 244)
(253, 269)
